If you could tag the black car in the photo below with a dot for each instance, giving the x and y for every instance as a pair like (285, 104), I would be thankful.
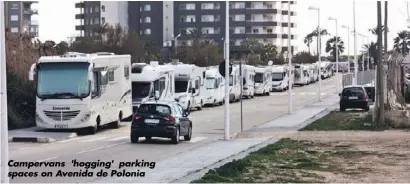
(354, 97)
(161, 119)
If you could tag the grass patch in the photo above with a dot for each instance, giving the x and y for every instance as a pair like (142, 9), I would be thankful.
(336, 120)
(287, 161)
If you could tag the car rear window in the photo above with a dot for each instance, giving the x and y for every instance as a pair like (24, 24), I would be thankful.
(354, 91)
(158, 109)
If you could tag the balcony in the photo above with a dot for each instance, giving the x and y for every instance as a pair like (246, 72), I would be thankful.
(262, 22)
(28, 11)
(79, 5)
(79, 16)
(79, 28)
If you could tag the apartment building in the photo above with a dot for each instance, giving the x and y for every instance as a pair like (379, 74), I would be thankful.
(18, 17)
(167, 21)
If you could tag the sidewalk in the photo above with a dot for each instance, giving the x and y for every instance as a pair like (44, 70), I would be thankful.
(194, 163)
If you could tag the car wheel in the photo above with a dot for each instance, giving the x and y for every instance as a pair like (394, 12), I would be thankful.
(148, 138)
(366, 108)
(134, 138)
(214, 104)
(342, 109)
(92, 130)
(189, 136)
(116, 124)
(175, 138)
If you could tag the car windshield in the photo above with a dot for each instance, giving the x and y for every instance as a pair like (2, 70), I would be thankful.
(353, 91)
(258, 77)
(210, 83)
(277, 76)
(140, 89)
(155, 109)
(63, 80)
(181, 86)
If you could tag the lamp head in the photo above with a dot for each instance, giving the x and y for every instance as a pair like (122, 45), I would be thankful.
(313, 8)
(331, 18)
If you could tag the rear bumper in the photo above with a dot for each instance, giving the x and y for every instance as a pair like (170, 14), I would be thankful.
(165, 132)
(354, 104)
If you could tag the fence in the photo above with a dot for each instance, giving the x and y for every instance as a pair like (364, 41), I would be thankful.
(363, 77)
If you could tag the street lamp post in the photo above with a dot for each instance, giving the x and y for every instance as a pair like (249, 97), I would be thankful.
(348, 46)
(227, 118)
(355, 43)
(175, 42)
(320, 47)
(363, 36)
(290, 63)
(337, 55)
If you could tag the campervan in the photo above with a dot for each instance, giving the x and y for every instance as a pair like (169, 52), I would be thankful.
(325, 69)
(82, 90)
(189, 86)
(301, 75)
(280, 78)
(312, 74)
(148, 79)
(248, 81)
(214, 84)
(234, 84)
(263, 80)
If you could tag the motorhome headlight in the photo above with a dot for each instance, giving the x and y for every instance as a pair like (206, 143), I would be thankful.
(86, 117)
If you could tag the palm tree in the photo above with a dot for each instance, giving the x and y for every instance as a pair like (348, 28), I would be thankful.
(374, 30)
(372, 50)
(400, 42)
(331, 46)
(315, 33)
(308, 40)
(196, 34)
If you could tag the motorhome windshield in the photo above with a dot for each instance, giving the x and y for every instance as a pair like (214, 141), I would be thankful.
(63, 80)
(140, 89)
(210, 83)
(258, 77)
(277, 76)
(181, 86)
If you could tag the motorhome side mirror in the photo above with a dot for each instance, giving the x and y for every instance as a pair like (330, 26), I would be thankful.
(193, 90)
(340, 94)
(186, 113)
(31, 76)
(157, 94)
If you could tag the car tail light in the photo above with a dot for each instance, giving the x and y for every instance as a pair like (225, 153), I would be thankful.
(364, 96)
(169, 118)
(134, 116)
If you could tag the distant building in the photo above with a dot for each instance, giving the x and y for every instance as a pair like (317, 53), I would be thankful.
(162, 21)
(18, 17)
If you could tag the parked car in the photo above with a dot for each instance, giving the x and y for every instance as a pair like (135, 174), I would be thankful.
(161, 119)
(354, 97)
(371, 91)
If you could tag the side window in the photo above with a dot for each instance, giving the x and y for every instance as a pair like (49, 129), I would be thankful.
(111, 75)
(161, 85)
(177, 110)
(104, 79)
(96, 85)
(197, 82)
(127, 72)
(156, 86)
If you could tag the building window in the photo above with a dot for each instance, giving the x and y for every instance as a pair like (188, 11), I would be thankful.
(147, 19)
(140, 20)
(103, 8)
(147, 7)
(255, 30)
(14, 30)
(14, 18)
(147, 31)
(91, 21)
(270, 6)
(86, 21)
(190, 6)
(96, 20)
(97, 9)
(270, 30)
(91, 9)
(102, 20)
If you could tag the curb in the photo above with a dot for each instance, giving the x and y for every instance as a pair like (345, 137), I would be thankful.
(31, 139)
(201, 172)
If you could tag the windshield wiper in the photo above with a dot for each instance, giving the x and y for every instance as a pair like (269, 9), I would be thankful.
(56, 95)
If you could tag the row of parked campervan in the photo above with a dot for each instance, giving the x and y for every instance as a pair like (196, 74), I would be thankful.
(80, 90)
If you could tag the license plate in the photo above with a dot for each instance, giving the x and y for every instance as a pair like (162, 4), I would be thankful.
(61, 126)
(353, 97)
(151, 120)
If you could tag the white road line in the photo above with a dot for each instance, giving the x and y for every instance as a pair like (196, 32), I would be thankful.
(283, 94)
(302, 93)
(197, 139)
(100, 148)
(95, 139)
(69, 140)
(119, 138)
(312, 93)
(47, 159)
(323, 93)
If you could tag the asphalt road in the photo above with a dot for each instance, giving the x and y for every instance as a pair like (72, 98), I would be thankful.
(114, 144)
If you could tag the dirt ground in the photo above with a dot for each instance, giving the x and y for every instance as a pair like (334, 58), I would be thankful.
(388, 161)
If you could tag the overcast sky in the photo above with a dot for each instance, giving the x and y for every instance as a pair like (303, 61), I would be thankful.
(57, 19)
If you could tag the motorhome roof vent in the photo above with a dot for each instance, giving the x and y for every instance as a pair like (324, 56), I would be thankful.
(104, 53)
(73, 54)
(154, 63)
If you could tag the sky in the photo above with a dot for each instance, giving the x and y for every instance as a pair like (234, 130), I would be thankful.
(57, 19)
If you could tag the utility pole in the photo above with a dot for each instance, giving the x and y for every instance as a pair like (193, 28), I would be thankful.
(4, 169)
(290, 104)
(382, 74)
(355, 44)
(227, 136)
(379, 115)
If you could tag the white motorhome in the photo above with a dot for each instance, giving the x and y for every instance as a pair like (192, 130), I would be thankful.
(326, 69)
(263, 80)
(301, 75)
(248, 77)
(280, 78)
(189, 86)
(82, 90)
(149, 78)
(214, 84)
(312, 74)
(234, 84)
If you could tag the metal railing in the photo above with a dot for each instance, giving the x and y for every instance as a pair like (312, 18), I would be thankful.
(363, 78)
